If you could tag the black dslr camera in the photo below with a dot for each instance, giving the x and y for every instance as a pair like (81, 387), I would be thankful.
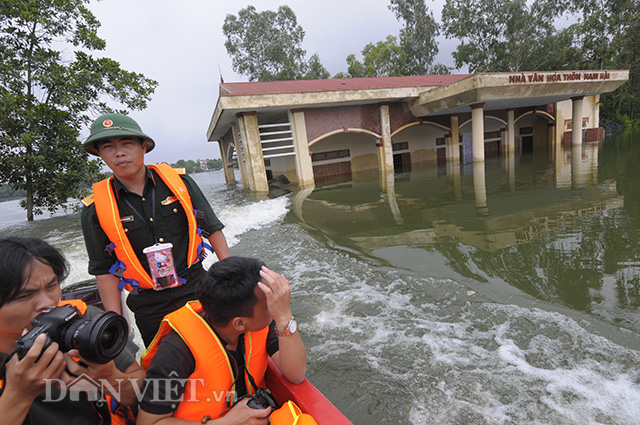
(262, 399)
(99, 340)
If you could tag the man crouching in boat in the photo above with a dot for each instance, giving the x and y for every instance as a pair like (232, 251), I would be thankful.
(31, 271)
(211, 353)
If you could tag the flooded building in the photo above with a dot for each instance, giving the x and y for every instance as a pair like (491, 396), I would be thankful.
(317, 132)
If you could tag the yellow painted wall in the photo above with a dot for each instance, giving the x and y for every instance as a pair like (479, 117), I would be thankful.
(284, 165)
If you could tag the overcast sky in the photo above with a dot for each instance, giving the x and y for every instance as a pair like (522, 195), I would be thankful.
(181, 45)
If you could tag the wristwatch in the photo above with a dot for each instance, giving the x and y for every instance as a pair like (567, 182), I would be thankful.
(291, 328)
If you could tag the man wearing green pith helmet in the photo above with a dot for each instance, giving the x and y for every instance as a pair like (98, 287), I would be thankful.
(145, 228)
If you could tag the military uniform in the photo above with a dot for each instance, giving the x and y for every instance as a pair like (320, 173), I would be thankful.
(168, 226)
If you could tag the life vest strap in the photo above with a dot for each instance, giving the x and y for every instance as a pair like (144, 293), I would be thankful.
(201, 249)
(120, 413)
(117, 270)
(202, 246)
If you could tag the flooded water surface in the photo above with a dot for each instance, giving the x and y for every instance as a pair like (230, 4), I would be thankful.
(507, 293)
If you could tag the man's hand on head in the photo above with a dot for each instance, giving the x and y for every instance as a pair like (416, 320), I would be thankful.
(277, 290)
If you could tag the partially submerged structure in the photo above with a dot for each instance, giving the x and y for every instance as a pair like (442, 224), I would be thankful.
(323, 131)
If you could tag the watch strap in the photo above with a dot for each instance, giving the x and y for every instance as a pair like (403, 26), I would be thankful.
(286, 331)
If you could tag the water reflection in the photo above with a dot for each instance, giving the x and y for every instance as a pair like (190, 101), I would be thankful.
(564, 230)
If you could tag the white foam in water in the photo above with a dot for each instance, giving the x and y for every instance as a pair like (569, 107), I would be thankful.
(585, 384)
(241, 219)
(457, 362)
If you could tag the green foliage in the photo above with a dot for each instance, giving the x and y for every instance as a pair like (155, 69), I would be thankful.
(44, 98)
(382, 59)
(8, 193)
(504, 35)
(315, 69)
(214, 164)
(192, 166)
(417, 37)
(410, 54)
(609, 37)
(265, 46)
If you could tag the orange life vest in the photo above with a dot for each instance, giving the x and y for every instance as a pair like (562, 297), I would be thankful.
(133, 272)
(213, 379)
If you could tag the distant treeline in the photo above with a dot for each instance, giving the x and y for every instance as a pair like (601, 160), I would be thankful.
(7, 193)
(199, 165)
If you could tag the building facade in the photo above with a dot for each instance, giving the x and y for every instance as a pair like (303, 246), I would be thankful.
(317, 132)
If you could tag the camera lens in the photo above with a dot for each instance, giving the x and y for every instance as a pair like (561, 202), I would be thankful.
(109, 338)
(100, 339)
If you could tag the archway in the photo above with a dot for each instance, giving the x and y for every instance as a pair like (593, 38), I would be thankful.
(419, 144)
(345, 156)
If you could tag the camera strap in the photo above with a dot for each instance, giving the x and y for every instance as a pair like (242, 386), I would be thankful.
(252, 382)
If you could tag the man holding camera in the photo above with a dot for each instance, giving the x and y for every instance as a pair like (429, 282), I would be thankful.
(213, 353)
(31, 273)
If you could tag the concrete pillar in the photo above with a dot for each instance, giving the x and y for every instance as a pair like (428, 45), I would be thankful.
(304, 167)
(238, 128)
(578, 175)
(596, 112)
(510, 162)
(511, 131)
(477, 129)
(576, 120)
(480, 188)
(385, 151)
(453, 175)
(227, 164)
(253, 152)
(593, 162)
(551, 138)
(390, 197)
(562, 167)
(453, 142)
(298, 201)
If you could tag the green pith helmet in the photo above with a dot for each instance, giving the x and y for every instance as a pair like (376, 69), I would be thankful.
(114, 125)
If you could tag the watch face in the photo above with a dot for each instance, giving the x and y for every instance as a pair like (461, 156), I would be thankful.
(293, 326)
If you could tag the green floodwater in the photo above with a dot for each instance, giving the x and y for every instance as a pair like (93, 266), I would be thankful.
(545, 229)
(501, 294)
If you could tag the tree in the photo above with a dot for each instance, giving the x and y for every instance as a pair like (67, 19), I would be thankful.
(214, 164)
(265, 46)
(505, 35)
(410, 54)
(382, 59)
(608, 37)
(45, 96)
(315, 69)
(417, 37)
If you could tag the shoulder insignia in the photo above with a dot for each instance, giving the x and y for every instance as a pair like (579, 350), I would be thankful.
(88, 200)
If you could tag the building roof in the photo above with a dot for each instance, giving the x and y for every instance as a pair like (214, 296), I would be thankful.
(336, 84)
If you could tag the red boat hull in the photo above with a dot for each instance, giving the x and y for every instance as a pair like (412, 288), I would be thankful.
(305, 395)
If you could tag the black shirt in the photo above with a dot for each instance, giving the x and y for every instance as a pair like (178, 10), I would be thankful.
(169, 222)
(173, 363)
